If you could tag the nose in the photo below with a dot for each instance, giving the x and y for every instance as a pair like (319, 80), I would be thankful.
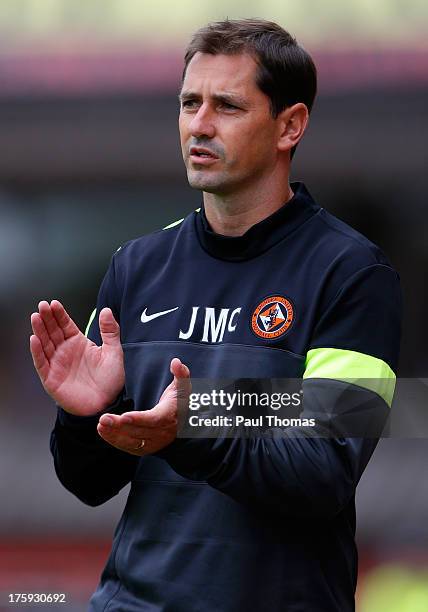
(202, 123)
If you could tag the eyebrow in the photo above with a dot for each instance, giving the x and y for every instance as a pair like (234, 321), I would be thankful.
(229, 98)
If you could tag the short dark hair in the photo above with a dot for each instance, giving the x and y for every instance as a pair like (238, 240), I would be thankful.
(286, 72)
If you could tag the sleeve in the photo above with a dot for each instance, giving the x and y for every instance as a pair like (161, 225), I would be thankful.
(85, 464)
(355, 339)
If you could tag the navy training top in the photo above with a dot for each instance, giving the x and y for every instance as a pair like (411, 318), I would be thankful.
(229, 524)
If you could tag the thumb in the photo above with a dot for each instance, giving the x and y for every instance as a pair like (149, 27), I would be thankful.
(178, 369)
(109, 328)
(183, 387)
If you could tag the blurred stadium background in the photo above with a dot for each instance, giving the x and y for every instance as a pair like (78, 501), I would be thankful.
(89, 158)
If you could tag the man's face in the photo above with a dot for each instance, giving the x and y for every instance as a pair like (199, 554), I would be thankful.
(228, 136)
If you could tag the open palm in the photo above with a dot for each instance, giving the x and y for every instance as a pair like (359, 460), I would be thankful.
(80, 376)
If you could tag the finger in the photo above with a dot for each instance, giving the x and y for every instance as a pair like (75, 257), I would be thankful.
(110, 420)
(137, 427)
(63, 319)
(109, 328)
(120, 439)
(54, 331)
(115, 436)
(116, 423)
(40, 331)
(145, 419)
(41, 362)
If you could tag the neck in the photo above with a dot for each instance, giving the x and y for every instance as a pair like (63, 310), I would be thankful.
(233, 214)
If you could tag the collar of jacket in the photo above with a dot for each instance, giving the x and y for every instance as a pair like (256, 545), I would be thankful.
(261, 236)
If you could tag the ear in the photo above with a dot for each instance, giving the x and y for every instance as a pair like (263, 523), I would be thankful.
(292, 124)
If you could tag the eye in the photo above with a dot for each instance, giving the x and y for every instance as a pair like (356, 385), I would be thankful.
(228, 106)
(188, 103)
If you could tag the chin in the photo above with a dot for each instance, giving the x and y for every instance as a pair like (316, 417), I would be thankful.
(210, 182)
(204, 183)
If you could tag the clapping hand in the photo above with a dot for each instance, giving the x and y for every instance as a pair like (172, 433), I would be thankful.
(80, 376)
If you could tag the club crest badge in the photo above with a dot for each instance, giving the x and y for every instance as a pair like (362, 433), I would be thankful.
(272, 317)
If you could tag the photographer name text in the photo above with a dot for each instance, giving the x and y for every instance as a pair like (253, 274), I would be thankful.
(265, 420)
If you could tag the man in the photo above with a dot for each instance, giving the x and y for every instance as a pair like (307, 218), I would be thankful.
(260, 283)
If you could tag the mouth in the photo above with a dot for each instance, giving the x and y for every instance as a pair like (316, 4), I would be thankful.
(201, 155)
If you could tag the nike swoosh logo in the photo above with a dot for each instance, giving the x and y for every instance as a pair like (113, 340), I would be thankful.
(145, 318)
